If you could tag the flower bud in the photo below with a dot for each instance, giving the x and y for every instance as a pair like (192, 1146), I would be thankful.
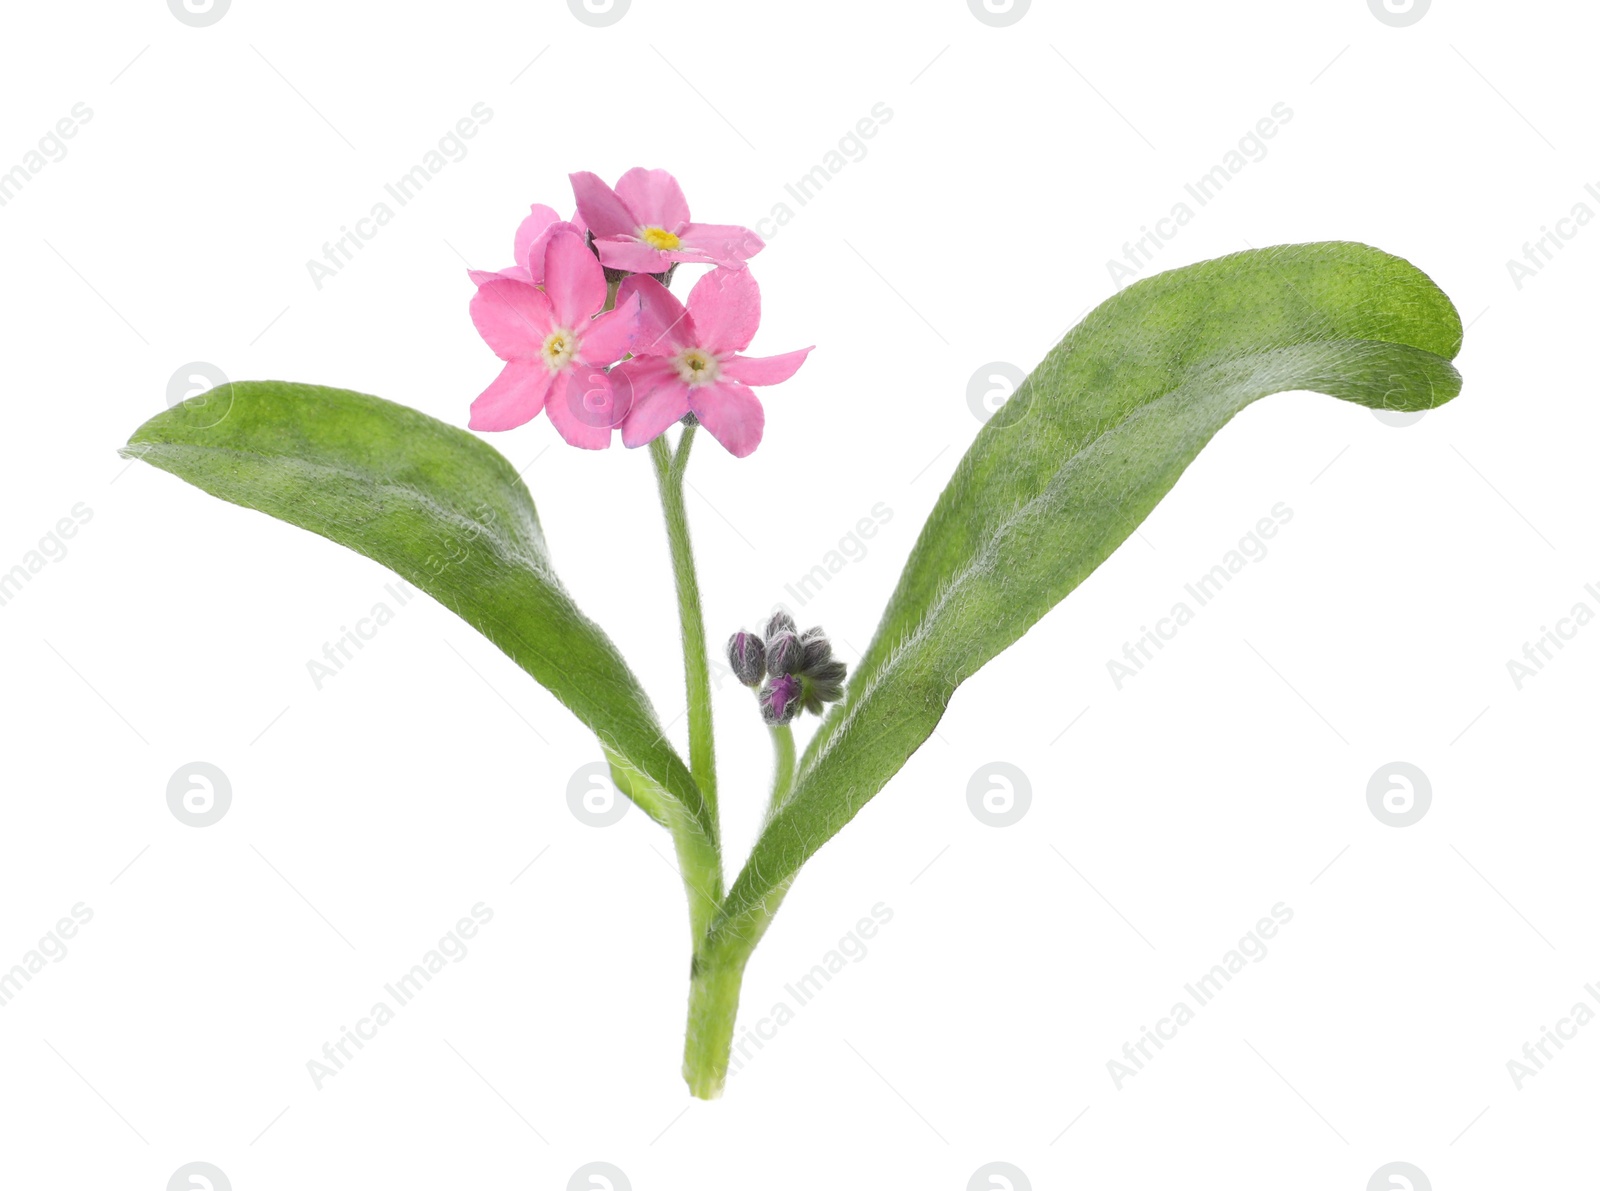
(747, 656)
(802, 673)
(780, 699)
(785, 654)
(824, 684)
(816, 647)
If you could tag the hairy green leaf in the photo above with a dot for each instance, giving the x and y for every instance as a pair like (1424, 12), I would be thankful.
(447, 513)
(1070, 466)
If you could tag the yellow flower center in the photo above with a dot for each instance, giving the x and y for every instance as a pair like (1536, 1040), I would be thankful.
(696, 367)
(659, 237)
(558, 348)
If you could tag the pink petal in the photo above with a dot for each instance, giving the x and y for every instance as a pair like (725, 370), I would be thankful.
(602, 211)
(659, 398)
(632, 256)
(513, 398)
(642, 374)
(573, 279)
(607, 338)
(732, 413)
(584, 407)
(654, 197)
(538, 221)
(763, 370)
(725, 308)
(663, 322)
(512, 317)
(724, 243)
(541, 247)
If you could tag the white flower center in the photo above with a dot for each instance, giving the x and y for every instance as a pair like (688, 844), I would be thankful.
(695, 366)
(558, 349)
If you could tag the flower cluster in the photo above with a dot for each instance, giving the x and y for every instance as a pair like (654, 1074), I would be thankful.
(591, 335)
(800, 669)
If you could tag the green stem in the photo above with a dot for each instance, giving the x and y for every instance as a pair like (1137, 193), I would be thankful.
(713, 983)
(700, 865)
(696, 672)
(699, 858)
(680, 458)
(713, 1009)
(783, 772)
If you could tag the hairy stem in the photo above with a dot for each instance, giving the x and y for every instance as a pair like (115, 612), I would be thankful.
(713, 1009)
(783, 772)
(713, 983)
(700, 865)
(696, 672)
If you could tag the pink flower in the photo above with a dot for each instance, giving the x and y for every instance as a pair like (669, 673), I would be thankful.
(643, 225)
(686, 360)
(533, 237)
(555, 351)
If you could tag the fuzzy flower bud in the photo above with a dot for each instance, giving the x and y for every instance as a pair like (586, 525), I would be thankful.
(821, 673)
(780, 699)
(747, 657)
(816, 649)
(785, 654)
(824, 684)
(802, 673)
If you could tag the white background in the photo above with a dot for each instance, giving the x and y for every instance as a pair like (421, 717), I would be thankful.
(1230, 775)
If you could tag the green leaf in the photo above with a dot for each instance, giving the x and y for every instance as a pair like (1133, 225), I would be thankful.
(446, 512)
(1070, 466)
